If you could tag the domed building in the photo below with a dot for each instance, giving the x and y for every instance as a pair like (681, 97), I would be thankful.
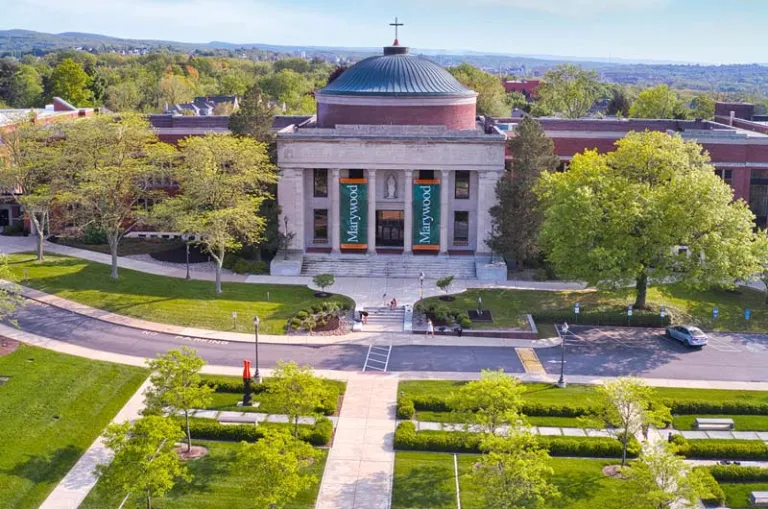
(395, 164)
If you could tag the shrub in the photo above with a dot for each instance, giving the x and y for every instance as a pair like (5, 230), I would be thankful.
(405, 409)
(296, 323)
(319, 434)
(14, 229)
(711, 494)
(242, 265)
(721, 449)
(224, 384)
(210, 429)
(533, 409)
(93, 235)
(302, 315)
(431, 403)
(738, 474)
(732, 407)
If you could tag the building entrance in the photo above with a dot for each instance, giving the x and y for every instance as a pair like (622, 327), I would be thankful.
(390, 228)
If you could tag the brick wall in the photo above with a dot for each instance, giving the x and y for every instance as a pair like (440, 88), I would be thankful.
(460, 116)
(742, 110)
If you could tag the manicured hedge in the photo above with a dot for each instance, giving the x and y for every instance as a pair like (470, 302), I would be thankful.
(703, 407)
(712, 494)
(721, 449)
(408, 439)
(405, 408)
(210, 429)
(616, 317)
(739, 474)
(533, 409)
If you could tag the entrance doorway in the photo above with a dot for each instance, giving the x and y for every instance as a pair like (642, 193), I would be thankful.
(390, 226)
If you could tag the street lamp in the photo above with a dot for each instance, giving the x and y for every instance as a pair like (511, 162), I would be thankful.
(186, 240)
(421, 285)
(561, 383)
(256, 373)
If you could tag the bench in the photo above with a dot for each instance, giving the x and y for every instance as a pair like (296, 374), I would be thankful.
(713, 424)
(759, 498)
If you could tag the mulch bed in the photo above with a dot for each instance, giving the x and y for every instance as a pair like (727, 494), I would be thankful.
(196, 452)
(487, 316)
(8, 346)
(614, 471)
(447, 298)
(179, 255)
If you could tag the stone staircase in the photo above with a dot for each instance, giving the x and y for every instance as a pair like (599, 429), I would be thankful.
(394, 266)
(385, 319)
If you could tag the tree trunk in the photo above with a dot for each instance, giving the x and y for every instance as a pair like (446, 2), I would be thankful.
(149, 500)
(642, 290)
(219, 264)
(296, 427)
(112, 239)
(189, 435)
(40, 232)
(624, 447)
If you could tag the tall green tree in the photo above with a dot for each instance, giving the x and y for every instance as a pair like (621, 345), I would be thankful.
(620, 102)
(491, 98)
(32, 173)
(26, 88)
(277, 464)
(703, 106)
(570, 90)
(299, 392)
(618, 218)
(70, 82)
(115, 158)
(660, 479)
(223, 181)
(515, 473)
(491, 402)
(289, 88)
(254, 116)
(656, 102)
(173, 89)
(517, 216)
(176, 385)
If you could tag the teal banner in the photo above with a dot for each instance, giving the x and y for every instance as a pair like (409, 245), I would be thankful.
(426, 215)
(354, 213)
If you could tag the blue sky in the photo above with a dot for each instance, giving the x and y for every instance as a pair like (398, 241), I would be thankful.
(716, 31)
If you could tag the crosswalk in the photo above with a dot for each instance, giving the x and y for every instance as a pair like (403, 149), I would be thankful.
(378, 357)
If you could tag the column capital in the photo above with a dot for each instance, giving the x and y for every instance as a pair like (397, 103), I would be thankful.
(371, 172)
(445, 173)
(409, 173)
(335, 172)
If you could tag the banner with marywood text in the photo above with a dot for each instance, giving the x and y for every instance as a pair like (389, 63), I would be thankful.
(426, 215)
(353, 213)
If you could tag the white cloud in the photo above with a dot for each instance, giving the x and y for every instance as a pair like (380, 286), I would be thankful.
(576, 7)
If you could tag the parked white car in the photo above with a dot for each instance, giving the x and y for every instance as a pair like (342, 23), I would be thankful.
(687, 334)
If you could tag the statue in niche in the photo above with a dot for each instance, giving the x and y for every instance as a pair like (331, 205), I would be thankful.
(391, 187)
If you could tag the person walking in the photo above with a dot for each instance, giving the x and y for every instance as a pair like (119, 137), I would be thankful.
(430, 328)
(394, 303)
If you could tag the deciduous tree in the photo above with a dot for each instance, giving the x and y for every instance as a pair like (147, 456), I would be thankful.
(145, 463)
(223, 181)
(517, 216)
(618, 218)
(70, 82)
(620, 102)
(298, 391)
(491, 99)
(656, 102)
(660, 479)
(174, 89)
(491, 402)
(278, 465)
(570, 90)
(254, 116)
(176, 385)
(515, 473)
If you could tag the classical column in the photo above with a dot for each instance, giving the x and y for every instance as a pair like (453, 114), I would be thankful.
(372, 212)
(444, 211)
(486, 198)
(290, 197)
(335, 228)
(408, 210)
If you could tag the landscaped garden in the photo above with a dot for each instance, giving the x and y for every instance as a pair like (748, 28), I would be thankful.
(682, 305)
(52, 408)
(169, 300)
(216, 484)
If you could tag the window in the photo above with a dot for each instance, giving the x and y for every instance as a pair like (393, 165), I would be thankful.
(426, 174)
(356, 174)
(461, 187)
(321, 225)
(320, 183)
(461, 227)
(726, 175)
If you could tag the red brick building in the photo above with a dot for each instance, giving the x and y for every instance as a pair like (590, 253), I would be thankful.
(529, 88)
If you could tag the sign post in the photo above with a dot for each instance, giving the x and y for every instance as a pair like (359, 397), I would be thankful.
(576, 309)
(234, 320)
(426, 215)
(715, 313)
(353, 213)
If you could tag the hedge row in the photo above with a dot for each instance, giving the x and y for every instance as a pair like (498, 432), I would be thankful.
(210, 429)
(617, 317)
(535, 409)
(738, 474)
(721, 449)
(712, 494)
(408, 439)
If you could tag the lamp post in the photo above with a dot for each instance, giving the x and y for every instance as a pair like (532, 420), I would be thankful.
(186, 241)
(256, 373)
(285, 232)
(421, 285)
(561, 383)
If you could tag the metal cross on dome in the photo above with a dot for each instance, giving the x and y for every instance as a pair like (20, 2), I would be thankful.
(396, 25)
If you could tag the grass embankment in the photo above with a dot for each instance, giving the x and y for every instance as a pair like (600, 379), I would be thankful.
(165, 299)
(426, 480)
(51, 410)
(683, 305)
(584, 395)
(216, 484)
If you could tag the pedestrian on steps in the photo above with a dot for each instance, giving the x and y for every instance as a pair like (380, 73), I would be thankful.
(430, 328)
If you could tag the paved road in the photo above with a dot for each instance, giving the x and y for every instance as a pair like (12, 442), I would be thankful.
(590, 351)
(613, 351)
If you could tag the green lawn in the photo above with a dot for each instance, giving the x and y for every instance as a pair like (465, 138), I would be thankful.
(51, 410)
(742, 422)
(215, 485)
(737, 495)
(426, 480)
(165, 299)
(684, 305)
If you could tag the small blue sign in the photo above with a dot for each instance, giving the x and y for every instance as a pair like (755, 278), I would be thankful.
(747, 313)
(715, 312)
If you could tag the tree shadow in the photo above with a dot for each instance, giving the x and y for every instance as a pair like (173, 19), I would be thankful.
(47, 468)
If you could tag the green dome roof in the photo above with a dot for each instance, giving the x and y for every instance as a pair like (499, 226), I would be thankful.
(396, 73)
